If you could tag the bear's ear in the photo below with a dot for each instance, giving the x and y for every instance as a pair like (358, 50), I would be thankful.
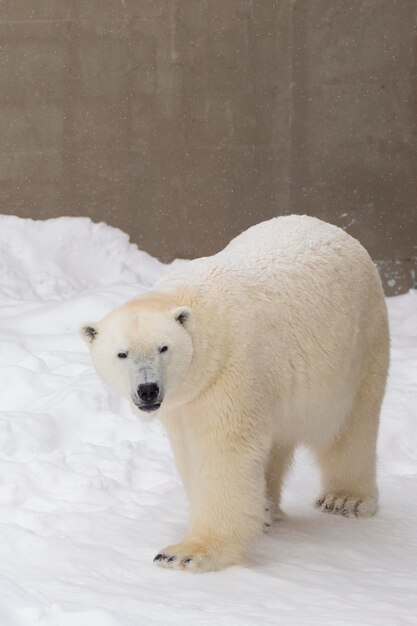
(182, 315)
(89, 332)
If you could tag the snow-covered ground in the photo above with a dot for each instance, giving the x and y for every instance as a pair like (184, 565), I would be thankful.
(88, 494)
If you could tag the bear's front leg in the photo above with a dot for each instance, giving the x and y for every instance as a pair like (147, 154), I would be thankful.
(227, 499)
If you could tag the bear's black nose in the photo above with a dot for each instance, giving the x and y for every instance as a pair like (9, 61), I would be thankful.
(148, 392)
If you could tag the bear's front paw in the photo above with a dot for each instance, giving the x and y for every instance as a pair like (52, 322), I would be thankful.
(272, 513)
(197, 556)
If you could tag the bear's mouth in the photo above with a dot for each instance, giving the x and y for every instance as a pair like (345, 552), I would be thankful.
(149, 407)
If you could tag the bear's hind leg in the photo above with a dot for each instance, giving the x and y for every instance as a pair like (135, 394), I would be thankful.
(348, 463)
(279, 461)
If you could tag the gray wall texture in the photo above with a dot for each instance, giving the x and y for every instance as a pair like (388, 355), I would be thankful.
(184, 123)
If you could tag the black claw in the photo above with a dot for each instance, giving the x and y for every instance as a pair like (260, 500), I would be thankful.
(328, 507)
(340, 508)
(171, 558)
(320, 502)
(186, 561)
(357, 505)
(160, 557)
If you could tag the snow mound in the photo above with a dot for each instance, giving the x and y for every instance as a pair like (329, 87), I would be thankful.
(56, 258)
(88, 494)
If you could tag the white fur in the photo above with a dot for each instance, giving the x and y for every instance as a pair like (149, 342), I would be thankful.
(286, 343)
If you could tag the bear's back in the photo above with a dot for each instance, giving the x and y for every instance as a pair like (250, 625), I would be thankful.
(276, 250)
(291, 238)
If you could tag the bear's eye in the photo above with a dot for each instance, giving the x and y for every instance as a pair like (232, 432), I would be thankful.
(163, 349)
(122, 355)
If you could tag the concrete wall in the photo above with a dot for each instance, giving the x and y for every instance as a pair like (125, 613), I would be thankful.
(185, 122)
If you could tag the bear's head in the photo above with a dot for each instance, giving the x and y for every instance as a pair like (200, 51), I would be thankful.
(143, 350)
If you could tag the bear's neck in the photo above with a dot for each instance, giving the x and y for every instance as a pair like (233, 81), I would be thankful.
(211, 342)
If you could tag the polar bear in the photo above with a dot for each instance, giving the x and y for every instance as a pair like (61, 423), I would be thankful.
(280, 339)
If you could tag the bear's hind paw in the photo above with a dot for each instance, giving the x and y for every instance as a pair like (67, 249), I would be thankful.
(347, 506)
